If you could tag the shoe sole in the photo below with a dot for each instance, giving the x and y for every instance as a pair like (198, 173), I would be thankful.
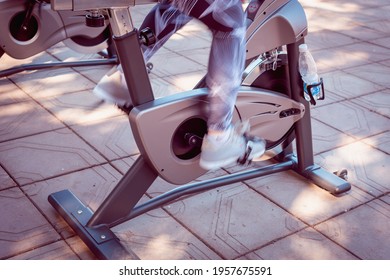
(213, 165)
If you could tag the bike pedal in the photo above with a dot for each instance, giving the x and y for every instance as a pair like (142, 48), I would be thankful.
(244, 160)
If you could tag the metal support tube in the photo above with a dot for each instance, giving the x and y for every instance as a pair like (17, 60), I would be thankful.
(56, 65)
(125, 195)
(303, 131)
(205, 186)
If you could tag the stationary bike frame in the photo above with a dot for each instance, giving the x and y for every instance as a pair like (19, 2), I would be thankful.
(122, 203)
(41, 28)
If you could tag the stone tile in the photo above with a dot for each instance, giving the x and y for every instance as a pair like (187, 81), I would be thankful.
(186, 81)
(25, 118)
(5, 180)
(351, 119)
(234, 219)
(179, 42)
(10, 93)
(364, 231)
(193, 28)
(156, 235)
(383, 42)
(366, 31)
(373, 4)
(330, 97)
(379, 14)
(367, 167)
(348, 86)
(371, 52)
(64, 53)
(94, 73)
(80, 249)
(375, 72)
(168, 64)
(330, 18)
(328, 39)
(91, 186)
(353, 13)
(381, 141)
(337, 58)
(198, 55)
(23, 228)
(112, 137)
(303, 199)
(124, 164)
(54, 251)
(139, 12)
(379, 25)
(326, 138)
(385, 62)
(163, 87)
(307, 244)
(160, 186)
(7, 62)
(334, 5)
(378, 102)
(46, 155)
(386, 199)
(80, 107)
(53, 82)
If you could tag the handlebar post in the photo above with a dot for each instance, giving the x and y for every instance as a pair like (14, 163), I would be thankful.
(120, 21)
(127, 43)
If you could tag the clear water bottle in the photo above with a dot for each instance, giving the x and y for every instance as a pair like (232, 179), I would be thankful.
(308, 71)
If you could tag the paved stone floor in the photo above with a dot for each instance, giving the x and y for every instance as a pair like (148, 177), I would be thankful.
(55, 134)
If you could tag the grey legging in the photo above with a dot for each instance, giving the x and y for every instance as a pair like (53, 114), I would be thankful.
(226, 21)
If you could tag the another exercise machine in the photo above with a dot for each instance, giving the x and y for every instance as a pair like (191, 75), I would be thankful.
(270, 98)
(28, 27)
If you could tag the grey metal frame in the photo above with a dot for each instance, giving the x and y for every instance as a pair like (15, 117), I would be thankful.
(122, 203)
(55, 65)
(54, 27)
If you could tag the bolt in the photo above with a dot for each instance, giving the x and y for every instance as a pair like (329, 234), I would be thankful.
(102, 236)
(80, 212)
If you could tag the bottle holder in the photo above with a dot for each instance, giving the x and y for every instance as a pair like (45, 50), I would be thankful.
(321, 95)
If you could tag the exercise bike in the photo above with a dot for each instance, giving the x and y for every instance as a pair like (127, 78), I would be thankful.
(28, 27)
(270, 98)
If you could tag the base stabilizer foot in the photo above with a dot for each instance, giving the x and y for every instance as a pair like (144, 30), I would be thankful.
(100, 239)
(331, 182)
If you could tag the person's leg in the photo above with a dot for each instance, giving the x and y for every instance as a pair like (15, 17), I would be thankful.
(223, 143)
(226, 21)
(164, 20)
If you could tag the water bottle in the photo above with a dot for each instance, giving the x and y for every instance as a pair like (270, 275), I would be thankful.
(308, 71)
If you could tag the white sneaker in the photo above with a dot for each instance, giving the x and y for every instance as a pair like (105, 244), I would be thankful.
(238, 147)
(112, 89)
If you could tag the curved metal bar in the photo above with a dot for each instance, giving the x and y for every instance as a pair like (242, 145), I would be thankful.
(54, 65)
(205, 186)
